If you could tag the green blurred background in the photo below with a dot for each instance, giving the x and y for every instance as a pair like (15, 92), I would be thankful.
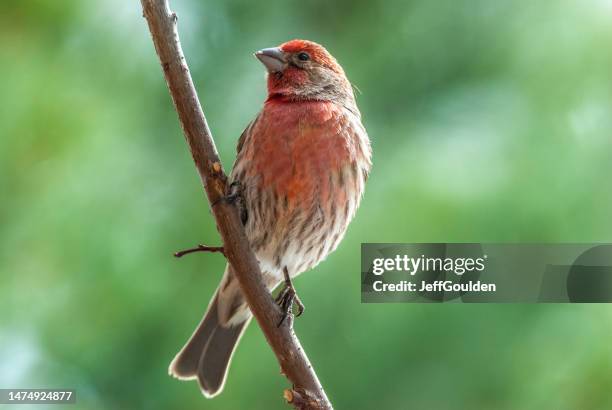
(490, 122)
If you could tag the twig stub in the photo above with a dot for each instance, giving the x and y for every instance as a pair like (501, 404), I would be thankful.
(302, 399)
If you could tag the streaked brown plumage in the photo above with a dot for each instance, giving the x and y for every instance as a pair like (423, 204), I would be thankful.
(302, 164)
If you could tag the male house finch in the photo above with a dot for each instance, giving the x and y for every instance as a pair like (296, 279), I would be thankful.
(302, 165)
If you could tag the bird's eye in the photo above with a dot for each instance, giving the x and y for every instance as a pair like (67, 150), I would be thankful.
(303, 56)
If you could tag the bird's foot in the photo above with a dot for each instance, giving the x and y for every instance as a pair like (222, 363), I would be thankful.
(234, 196)
(199, 248)
(286, 298)
(234, 192)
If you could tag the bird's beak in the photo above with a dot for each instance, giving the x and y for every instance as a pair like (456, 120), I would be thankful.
(273, 58)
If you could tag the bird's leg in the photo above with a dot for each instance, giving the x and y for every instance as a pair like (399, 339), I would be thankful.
(234, 196)
(286, 297)
(199, 248)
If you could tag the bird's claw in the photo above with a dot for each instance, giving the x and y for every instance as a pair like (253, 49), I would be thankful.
(286, 298)
(234, 192)
(234, 196)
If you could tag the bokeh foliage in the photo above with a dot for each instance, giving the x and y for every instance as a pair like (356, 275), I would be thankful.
(490, 121)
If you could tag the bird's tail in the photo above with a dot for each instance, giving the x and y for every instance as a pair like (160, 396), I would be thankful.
(208, 352)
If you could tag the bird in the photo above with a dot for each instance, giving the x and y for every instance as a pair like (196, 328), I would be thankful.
(301, 165)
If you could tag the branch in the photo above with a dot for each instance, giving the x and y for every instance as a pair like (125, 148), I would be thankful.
(291, 357)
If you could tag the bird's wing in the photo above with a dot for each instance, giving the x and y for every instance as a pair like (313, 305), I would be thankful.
(235, 176)
(245, 134)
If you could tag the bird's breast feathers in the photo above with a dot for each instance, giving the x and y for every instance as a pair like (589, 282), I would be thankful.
(295, 148)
